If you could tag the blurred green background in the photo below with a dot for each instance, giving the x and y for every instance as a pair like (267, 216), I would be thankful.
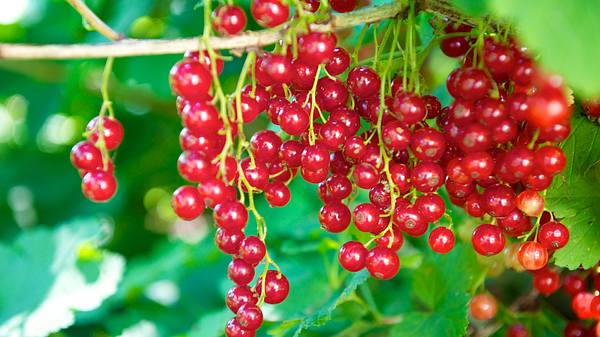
(129, 267)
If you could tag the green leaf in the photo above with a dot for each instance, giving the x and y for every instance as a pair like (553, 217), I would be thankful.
(472, 7)
(574, 197)
(565, 33)
(212, 324)
(324, 314)
(442, 286)
(54, 273)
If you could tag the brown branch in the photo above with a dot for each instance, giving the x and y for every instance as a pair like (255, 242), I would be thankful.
(94, 21)
(132, 47)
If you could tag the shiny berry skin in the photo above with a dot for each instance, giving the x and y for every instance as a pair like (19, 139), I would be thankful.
(249, 317)
(548, 109)
(240, 272)
(530, 202)
(441, 240)
(533, 256)
(474, 205)
(277, 194)
(229, 241)
(187, 202)
(231, 215)
(315, 157)
(392, 239)
(537, 180)
(352, 256)
(505, 131)
(591, 107)
(303, 75)
(194, 167)
(214, 191)
(291, 152)
(433, 106)
(396, 136)
(252, 250)
(201, 118)
(343, 6)
(190, 79)
(382, 263)
(332, 136)
(99, 186)
(229, 20)
(265, 146)
(574, 329)
(331, 94)
(293, 119)
(573, 284)
(234, 329)
(279, 68)
(315, 48)
(454, 46)
(269, 13)
(347, 118)
(365, 176)
(238, 296)
(515, 223)
(475, 138)
(478, 164)
(553, 235)
(488, 240)
(550, 159)
(366, 217)
(472, 84)
(428, 144)
(427, 177)
(339, 61)
(277, 287)
(256, 174)
(457, 171)
(546, 281)
(517, 330)
(483, 307)
(408, 108)
(400, 176)
(85, 156)
(338, 186)
(112, 132)
(490, 112)
(582, 305)
(498, 59)
(313, 176)
(379, 196)
(204, 58)
(209, 146)
(499, 200)
(334, 217)
(431, 206)
(409, 220)
(363, 82)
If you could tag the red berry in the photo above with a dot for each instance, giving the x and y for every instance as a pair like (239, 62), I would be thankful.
(550, 159)
(574, 329)
(431, 206)
(277, 287)
(187, 202)
(392, 239)
(363, 82)
(85, 156)
(265, 146)
(483, 307)
(195, 167)
(229, 20)
(338, 186)
(334, 217)
(277, 194)
(112, 132)
(269, 13)
(441, 240)
(339, 61)
(204, 58)
(553, 235)
(574, 284)
(256, 174)
(293, 119)
(231, 215)
(427, 177)
(190, 79)
(238, 296)
(582, 305)
(240, 272)
(249, 317)
(291, 152)
(234, 329)
(279, 68)
(331, 94)
(343, 6)
(517, 330)
(99, 186)
(499, 200)
(488, 239)
(229, 241)
(252, 250)
(409, 220)
(315, 48)
(530, 202)
(315, 157)
(454, 46)
(428, 144)
(533, 256)
(201, 118)
(408, 108)
(365, 176)
(546, 281)
(382, 263)
(352, 256)
(366, 217)
(395, 135)
(472, 84)
(548, 109)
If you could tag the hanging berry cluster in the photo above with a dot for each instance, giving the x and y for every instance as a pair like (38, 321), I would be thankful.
(91, 157)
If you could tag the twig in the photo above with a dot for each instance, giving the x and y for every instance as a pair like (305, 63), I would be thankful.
(94, 21)
(132, 47)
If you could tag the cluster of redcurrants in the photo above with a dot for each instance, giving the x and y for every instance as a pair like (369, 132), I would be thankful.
(90, 158)
(503, 153)
(579, 286)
